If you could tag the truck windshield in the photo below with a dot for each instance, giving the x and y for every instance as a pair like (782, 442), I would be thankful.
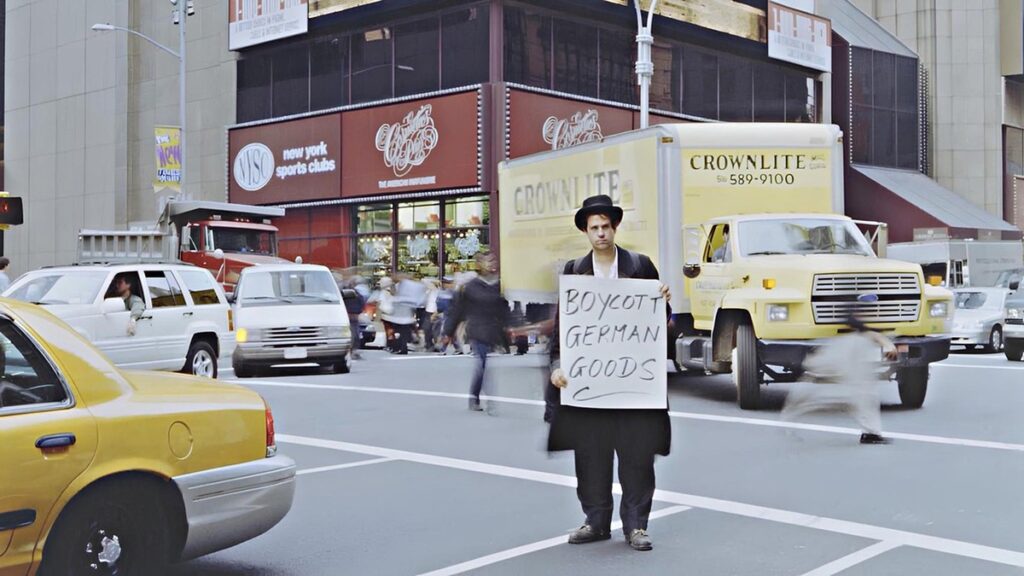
(292, 286)
(242, 241)
(802, 236)
(71, 288)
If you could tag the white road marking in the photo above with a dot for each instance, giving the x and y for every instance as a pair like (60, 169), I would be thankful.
(925, 438)
(851, 560)
(977, 366)
(511, 553)
(343, 466)
(868, 531)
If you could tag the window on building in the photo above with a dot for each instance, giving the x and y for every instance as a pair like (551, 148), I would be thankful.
(416, 57)
(464, 41)
(328, 72)
(801, 98)
(371, 65)
(735, 89)
(419, 215)
(254, 88)
(665, 87)
(291, 80)
(769, 93)
(700, 83)
(527, 47)
(374, 218)
(575, 58)
(618, 58)
(884, 128)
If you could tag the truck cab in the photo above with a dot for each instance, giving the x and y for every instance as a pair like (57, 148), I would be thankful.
(225, 247)
(767, 289)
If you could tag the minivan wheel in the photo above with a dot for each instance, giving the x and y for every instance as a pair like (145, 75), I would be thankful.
(201, 360)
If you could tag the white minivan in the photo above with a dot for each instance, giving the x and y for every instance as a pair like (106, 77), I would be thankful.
(289, 315)
(186, 325)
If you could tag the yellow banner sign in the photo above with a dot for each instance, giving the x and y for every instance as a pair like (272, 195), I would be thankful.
(168, 158)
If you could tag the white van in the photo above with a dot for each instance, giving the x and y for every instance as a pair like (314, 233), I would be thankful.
(288, 315)
(186, 325)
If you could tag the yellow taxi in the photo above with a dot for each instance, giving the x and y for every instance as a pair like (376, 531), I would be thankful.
(106, 471)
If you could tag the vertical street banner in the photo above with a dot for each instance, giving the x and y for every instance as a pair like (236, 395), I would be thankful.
(168, 158)
(613, 336)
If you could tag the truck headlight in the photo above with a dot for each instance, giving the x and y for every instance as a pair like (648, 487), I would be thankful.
(939, 309)
(778, 312)
(243, 335)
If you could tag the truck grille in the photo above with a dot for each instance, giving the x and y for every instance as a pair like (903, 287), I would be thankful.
(892, 311)
(835, 297)
(857, 284)
(295, 334)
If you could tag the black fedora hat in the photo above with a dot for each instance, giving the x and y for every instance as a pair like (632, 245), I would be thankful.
(600, 204)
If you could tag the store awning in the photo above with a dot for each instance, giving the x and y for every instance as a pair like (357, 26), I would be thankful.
(859, 29)
(908, 199)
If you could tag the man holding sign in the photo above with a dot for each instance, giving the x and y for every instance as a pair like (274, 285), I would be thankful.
(609, 363)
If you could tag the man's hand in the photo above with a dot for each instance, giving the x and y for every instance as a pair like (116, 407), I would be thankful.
(665, 292)
(558, 379)
(131, 327)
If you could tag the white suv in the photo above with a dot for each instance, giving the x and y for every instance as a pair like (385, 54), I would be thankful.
(186, 325)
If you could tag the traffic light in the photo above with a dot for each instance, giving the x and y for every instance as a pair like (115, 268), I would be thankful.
(11, 211)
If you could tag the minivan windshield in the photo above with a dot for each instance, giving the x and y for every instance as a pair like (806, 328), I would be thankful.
(977, 300)
(801, 236)
(58, 288)
(291, 286)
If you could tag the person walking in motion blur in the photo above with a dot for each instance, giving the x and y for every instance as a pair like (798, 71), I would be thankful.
(844, 375)
(479, 303)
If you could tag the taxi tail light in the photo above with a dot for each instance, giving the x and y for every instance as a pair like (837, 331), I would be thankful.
(271, 443)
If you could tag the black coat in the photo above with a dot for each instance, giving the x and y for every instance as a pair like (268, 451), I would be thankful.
(645, 431)
(485, 311)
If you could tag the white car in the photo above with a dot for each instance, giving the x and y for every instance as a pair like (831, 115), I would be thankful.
(287, 315)
(186, 325)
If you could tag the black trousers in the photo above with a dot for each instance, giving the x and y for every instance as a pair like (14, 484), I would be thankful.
(594, 484)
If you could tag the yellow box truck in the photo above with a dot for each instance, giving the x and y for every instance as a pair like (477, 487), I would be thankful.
(745, 224)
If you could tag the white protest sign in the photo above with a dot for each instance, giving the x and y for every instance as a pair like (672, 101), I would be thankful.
(613, 338)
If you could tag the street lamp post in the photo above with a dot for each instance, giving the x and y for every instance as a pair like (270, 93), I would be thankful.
(644, 64)
(179, 18)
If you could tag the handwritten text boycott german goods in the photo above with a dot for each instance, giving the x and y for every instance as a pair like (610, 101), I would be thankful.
(613, 342)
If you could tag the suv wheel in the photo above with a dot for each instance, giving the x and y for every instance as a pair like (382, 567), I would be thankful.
(201, 360)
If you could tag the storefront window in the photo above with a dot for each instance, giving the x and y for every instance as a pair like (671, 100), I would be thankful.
(461, 247)
(463, 36)
(371, 65)
(467, 212)
(373, 255)
(418, 254)
(418, 216)
(374, 218)
(416, 58)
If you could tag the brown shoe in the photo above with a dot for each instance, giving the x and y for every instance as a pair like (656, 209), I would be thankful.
(639, 540)
(586, 534)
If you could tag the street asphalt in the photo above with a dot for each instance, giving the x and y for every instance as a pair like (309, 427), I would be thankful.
(396, 476)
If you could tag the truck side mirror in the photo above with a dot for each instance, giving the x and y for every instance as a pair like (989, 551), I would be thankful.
(692, 240)
(692, 270)
(231, 297)
(112, 305)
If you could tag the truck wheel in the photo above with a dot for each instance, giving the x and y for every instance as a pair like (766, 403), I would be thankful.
(201, 360)
(1013, 349)
(746, 370)
(913, 384)
(995, 340)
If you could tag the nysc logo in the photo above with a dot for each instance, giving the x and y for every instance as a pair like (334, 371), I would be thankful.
(253, 167)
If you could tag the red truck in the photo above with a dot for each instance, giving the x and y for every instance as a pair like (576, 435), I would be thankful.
(224, 238)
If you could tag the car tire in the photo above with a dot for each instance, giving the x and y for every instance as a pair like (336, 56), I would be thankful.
(1013, 349)
(913, 385)
(201, 360)
(746, 369)
(995, 340)
(114, 513)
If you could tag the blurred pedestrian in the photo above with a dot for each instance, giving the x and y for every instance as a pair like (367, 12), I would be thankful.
(479, 303)
(598, 435)
(844, 374)
(429, 312)
(403, 313)
(5, 280)
(385, 302)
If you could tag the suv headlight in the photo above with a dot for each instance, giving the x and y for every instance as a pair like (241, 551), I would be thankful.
(339, 332)
(939, 309)
(778, 312)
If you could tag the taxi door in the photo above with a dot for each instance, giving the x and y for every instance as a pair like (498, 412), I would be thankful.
(49, 438)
